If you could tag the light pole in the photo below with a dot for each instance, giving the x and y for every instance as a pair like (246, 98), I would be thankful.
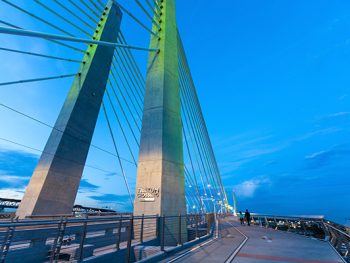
(215, 217)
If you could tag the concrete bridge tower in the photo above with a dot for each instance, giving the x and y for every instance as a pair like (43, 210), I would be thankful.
(54, 184)
(160, 186)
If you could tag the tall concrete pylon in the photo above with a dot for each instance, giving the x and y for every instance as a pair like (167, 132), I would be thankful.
(160, 186)
(234, 203)
(54, 184)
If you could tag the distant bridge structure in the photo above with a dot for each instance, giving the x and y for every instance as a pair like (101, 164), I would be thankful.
(14, 203)
(8, 203)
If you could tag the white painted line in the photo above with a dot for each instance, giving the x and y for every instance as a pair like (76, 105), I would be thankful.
(234, 254)
(191, 250)
(197, 247)
(336, 251)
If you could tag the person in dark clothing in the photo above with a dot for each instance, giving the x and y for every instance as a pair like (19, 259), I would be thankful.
(241, 217)
(247, 216)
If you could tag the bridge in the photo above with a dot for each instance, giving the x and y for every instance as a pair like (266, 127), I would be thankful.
(145, 98)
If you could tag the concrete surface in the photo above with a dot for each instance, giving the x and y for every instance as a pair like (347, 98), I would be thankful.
(217, 250)
(262, 246)
(55, 181)
(160, 186)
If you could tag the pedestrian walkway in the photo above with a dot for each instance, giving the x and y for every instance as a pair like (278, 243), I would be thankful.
(213, 250)
(254, 244)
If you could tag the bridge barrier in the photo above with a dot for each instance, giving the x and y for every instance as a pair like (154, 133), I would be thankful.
(318, 227)
(95, 238)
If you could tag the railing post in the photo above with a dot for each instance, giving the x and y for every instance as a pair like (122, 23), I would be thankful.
(7, 240)
(274, 218)
(158, 227)
(60, 240)
(53, 249)
(287, 222)
(119, 232)
(266, 222)
(180, 241)
(196, 217)
(131, 226)
(141, 232)
(82, 240)
(303, 226)
(162, 233)
(333, 237)
(208, 223)
(325, 230)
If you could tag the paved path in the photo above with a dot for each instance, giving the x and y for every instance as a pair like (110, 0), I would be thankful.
(259, 245)
(217, 250)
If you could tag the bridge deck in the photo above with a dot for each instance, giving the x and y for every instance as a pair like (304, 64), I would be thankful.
(259, 245)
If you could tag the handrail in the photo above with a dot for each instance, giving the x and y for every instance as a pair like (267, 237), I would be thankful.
(74, 237)
(340, 231)
(292, 216)
(334, 233)
(96, 219)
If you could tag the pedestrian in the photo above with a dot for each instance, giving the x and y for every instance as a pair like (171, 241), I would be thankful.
(247, 216)
(241, 217)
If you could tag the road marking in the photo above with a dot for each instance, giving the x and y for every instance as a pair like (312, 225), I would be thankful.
(284, 259)
(234, 254)
(191, 250)
(336, 251)
(197, 247)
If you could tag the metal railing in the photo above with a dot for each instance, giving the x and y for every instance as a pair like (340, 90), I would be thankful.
(318, 227)
(121, 238)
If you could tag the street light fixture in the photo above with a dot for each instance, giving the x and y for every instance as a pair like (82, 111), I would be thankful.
(215, 216)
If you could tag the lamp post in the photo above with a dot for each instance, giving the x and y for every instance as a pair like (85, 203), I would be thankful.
(215, 217)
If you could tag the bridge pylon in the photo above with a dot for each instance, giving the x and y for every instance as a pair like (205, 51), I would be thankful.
(160, 185)
(54, 184)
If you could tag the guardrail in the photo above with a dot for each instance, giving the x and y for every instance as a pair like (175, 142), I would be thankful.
(98, 238)
(318, 227)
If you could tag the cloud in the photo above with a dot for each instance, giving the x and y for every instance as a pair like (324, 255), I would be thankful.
(17, 162)
(324, 158)
(248, 188)
(242, 140)
(13, 181)
(111, 174)
(118, 202)
(315, 155)
(237, 151)
(337, 115)
(16, 168)
(227, 168)
(262, 151)
(12, 193)
(320, 132)
(111, 198)
(86, 185)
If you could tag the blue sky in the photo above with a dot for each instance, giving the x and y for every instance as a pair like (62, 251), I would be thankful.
(273, 80)
(274, 85)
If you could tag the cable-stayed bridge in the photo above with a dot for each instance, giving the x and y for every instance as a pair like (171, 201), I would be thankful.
(130, 97)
